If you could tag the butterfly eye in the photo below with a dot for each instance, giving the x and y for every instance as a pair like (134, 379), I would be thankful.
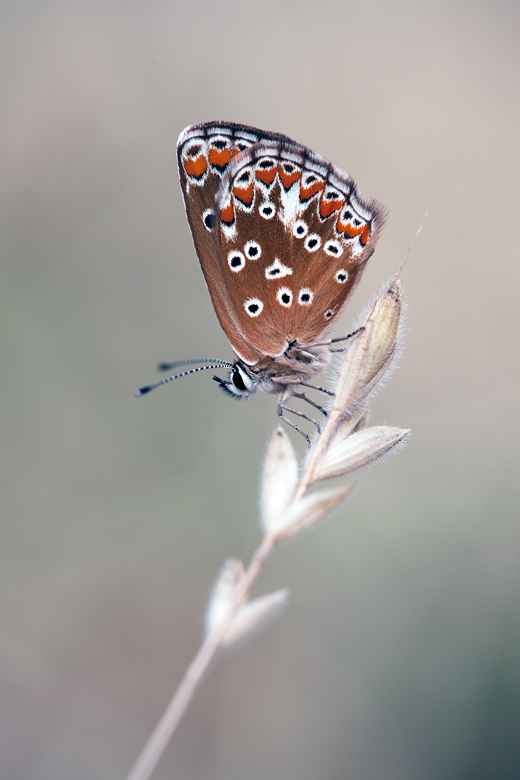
(240, 383)
(241, 380)
(237, 379)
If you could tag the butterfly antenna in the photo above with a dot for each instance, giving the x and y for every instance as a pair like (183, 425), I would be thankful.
(179, 363)
(147, 388)
(396, 277)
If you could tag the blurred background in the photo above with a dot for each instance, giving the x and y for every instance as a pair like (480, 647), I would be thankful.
(399, 654)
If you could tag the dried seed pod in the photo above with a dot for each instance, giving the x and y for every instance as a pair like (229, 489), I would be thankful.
(358, 450)
(279, 479)
(311, 510)
(221, 598)
(253, 615)
(370, 354)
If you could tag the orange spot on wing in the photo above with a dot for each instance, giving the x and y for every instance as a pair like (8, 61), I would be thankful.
(288, 177)
(219, 158)
(195, 167)
(349, 230)
(353, 226)
(309, 190)
(244, 194)
(328, 207)
(227, 214)
(365, 235)
(267, 176)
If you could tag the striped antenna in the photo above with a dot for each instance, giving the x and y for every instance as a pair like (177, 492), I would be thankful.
(179, 363)
(147, 388)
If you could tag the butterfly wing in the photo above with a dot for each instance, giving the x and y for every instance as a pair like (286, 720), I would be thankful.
(291, 235)
(203, 154)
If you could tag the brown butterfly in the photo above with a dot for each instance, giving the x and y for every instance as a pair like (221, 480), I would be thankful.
(282, 237)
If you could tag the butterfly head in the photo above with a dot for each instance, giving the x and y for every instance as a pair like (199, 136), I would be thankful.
(272, 375)
(242, 383)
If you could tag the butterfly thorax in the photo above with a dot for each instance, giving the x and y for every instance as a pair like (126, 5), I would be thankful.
(273, 375)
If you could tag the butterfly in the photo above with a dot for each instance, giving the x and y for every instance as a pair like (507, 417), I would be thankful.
(282, 237)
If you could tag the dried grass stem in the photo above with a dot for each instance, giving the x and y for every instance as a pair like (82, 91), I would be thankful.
(289, 508)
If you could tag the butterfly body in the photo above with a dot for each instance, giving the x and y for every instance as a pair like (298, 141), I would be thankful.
(273, 375)
(282, 237)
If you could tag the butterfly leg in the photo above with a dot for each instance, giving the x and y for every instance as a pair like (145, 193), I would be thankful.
(345, 338)
(311, 402)
(291, 424)
(348, 336)
(286, 408)
(283, 407)
(315, 387)
(334, 341)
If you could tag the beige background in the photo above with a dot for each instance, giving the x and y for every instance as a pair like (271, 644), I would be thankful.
(398, 656)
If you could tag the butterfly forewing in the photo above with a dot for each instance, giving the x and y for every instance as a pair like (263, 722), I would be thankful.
(282, 235)
(203, 154)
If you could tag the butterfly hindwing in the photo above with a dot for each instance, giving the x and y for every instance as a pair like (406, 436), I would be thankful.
(311, 235)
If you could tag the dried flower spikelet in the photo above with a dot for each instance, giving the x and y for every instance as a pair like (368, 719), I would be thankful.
(221, 598)
(311, 510)
(254, 614)
(279, 479)
(359, 450)
(371, 352)
(351, 424)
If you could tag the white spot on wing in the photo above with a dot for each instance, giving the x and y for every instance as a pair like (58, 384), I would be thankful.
(284, 296)
(300, 228)
(253, 306)
(236, 261)
(291, 205)
(253, 250)
(277, 270)
(243, 179)
(312, 242)
(333, 248)
(208, 219)
(305, 296)
(267, 210)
